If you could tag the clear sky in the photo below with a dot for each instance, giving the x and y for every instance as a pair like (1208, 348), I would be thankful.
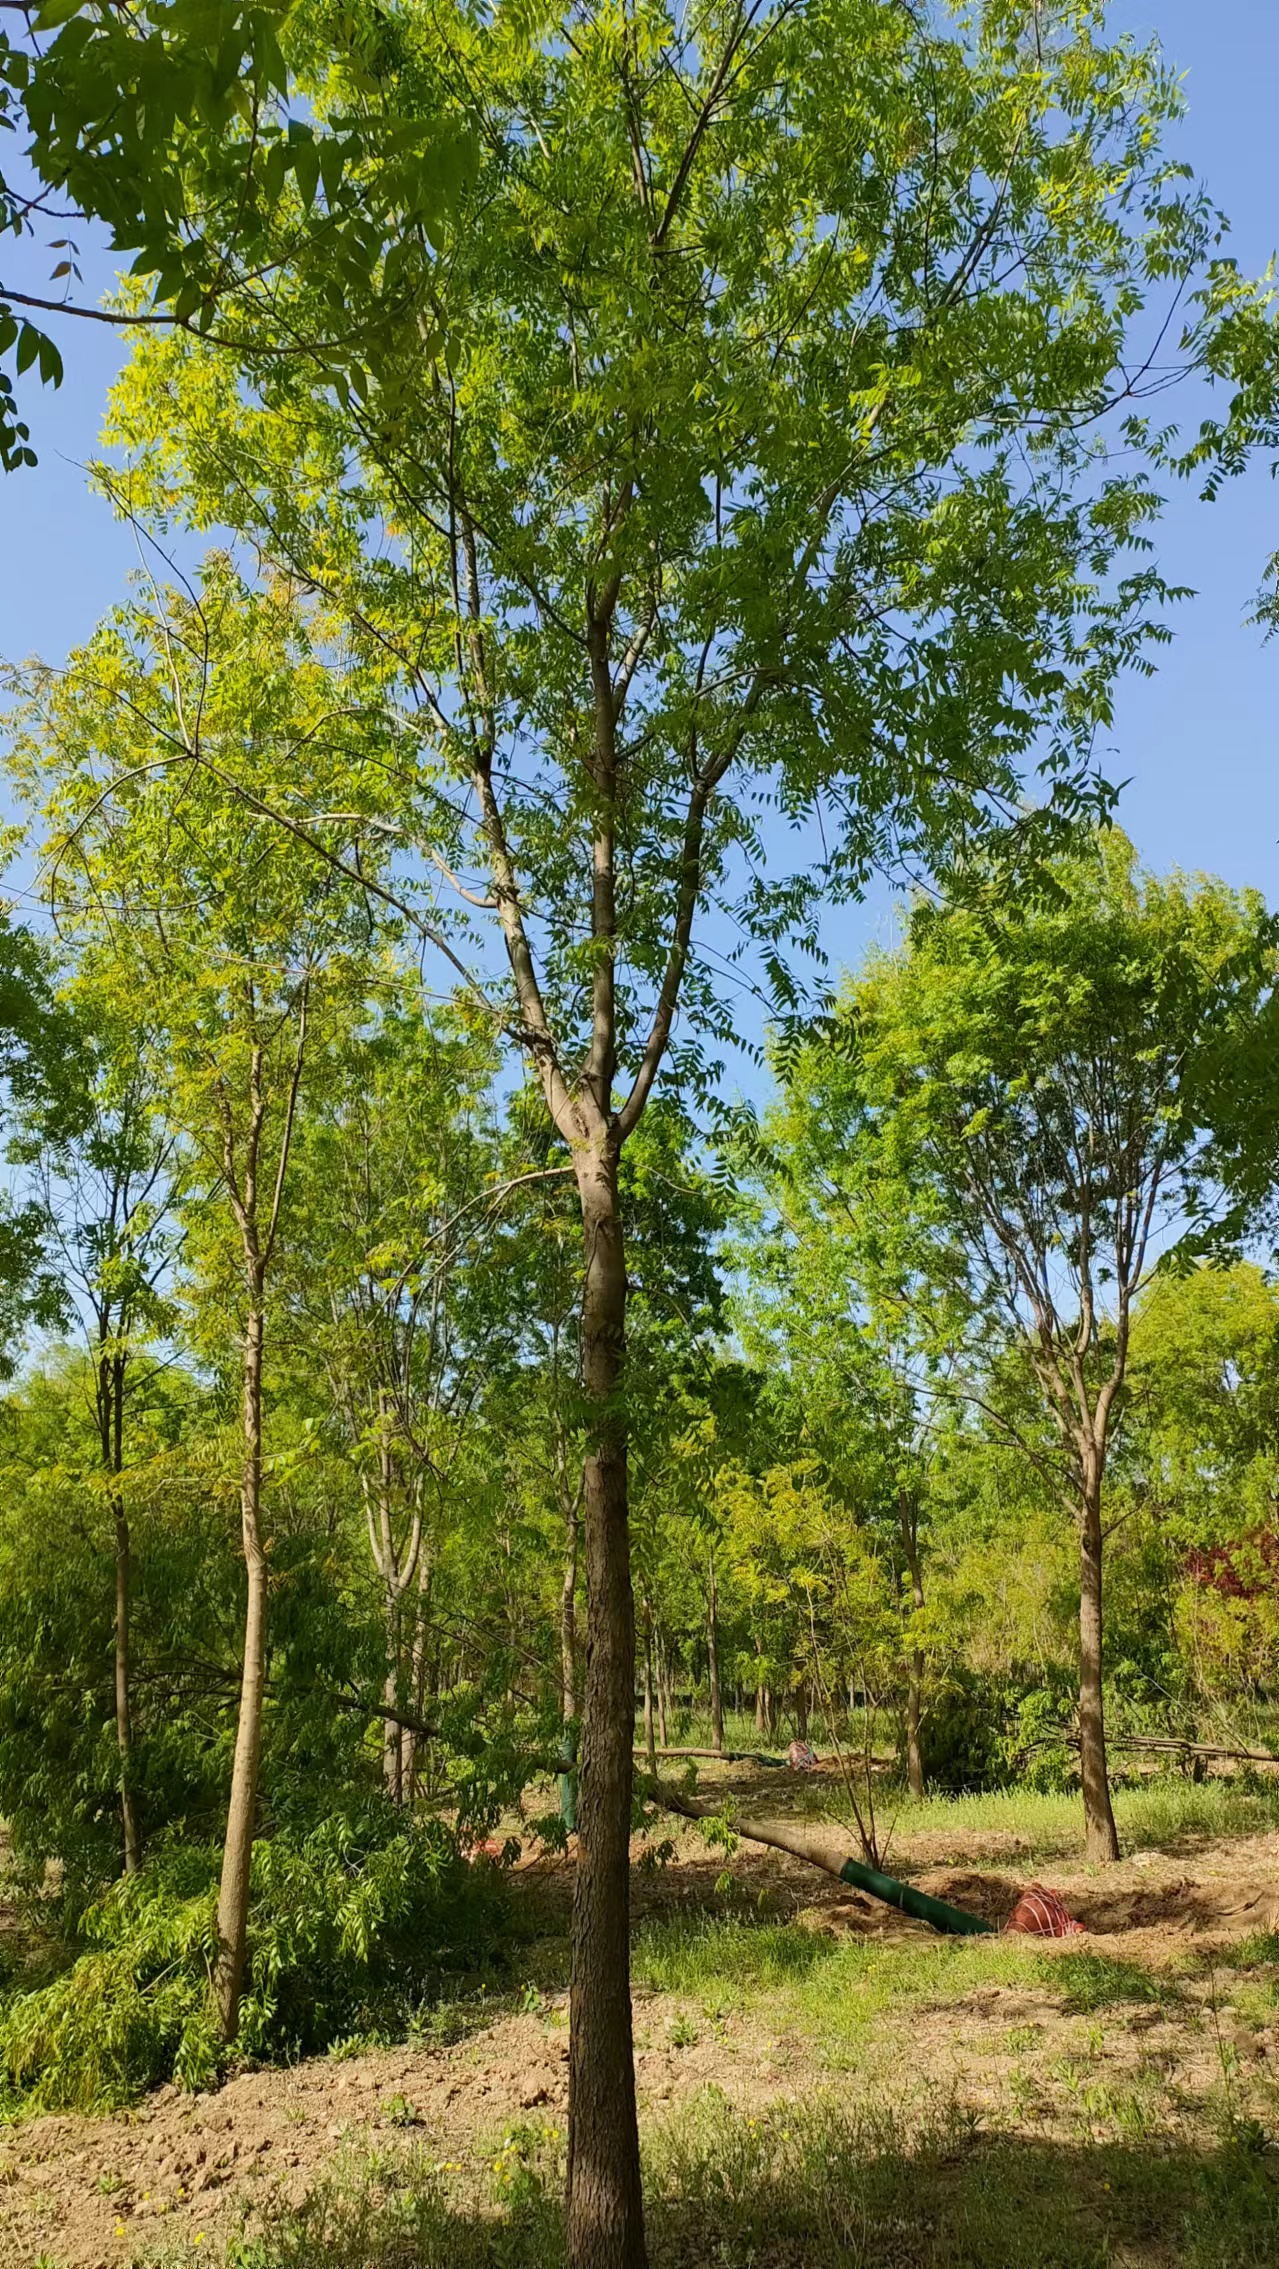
(1197, 743)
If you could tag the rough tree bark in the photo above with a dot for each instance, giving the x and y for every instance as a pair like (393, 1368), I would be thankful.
(605, 2202)
(570, 1507)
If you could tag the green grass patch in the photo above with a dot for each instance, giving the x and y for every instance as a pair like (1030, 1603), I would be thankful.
(1101, 1981)
(834, 1988)
(1156, 1815)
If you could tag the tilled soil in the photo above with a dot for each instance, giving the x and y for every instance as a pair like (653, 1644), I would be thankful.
(180, 2170)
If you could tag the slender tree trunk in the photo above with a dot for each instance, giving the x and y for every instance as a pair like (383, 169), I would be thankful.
(712, 1656)
(111, 1370)
(418, 1674)
(123, 1714)
(605, 2202)
(801, 1710)
(915, 1664)
(392, 1770)
(568, 1617)
(914, 1750)
(761, 1697)
(649, 1735)
(663, 1690)
(237, 1855)
(1101, 1841)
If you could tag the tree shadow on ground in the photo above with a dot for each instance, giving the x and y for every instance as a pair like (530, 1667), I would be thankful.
(790, 2190)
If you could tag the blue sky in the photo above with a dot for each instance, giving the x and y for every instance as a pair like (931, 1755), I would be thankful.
(1197, 743)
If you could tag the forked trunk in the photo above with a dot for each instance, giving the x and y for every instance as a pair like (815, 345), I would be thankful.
(712, 1657)
(1101, 1840)
(605, 2203)
(237, 1855)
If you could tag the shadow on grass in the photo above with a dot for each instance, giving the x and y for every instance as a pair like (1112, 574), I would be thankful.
(798, 2188)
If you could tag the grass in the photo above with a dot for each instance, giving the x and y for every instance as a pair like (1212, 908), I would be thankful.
(1154, 1815)
(1106, 2115)
(825, 1985)
(823, 2186)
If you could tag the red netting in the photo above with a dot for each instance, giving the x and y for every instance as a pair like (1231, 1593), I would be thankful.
(1040, 1914)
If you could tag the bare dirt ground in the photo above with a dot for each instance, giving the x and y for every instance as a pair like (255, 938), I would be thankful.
(182, 2171)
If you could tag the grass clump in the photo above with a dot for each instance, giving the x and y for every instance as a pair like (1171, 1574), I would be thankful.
(353, 1922)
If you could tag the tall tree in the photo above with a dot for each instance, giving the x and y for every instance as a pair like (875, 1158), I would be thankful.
(111, 1188)
(1029, 1081)
(758, 477)
(135, 752)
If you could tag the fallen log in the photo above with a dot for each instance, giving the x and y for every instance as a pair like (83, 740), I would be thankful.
(827, 1848)
(1164, 1744)
(721, 1756)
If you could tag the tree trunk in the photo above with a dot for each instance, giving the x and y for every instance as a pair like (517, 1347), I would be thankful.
(650, 1738)
(761, 1698)
(392, 1746)
(418, 1675)
(111, 1370)
(237, 1855)
(605, 2202)
(914, 1752)
(712, 1657)
(123, 1715)
(568, 1617)
(908, 1516)
(801, 1710)
(663, 1690)
(1101, 1840)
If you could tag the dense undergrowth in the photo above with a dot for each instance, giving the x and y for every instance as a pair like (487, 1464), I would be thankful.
(354, 1922)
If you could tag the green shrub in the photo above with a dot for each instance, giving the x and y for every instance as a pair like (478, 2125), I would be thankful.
(353, 1922)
